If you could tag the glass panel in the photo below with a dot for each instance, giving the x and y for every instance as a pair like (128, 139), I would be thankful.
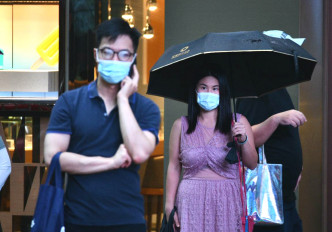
(81, 42)
(5, 197)
(21, 223)
(19, 194)
(19, 137)
(29, 53)
(36, 24)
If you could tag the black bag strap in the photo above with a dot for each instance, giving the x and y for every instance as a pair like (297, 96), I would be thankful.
(168, 226)
(171, 216)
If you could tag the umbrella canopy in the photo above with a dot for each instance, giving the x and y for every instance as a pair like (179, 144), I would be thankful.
(254, 63)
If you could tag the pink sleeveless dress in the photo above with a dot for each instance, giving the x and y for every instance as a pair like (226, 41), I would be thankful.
(208, 196)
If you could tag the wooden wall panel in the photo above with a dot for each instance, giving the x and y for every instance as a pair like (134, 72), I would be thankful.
(312, 105)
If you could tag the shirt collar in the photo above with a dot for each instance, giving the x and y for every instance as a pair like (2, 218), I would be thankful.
(93, 92)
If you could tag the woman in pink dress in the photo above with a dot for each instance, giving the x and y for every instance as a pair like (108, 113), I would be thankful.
(208, 195)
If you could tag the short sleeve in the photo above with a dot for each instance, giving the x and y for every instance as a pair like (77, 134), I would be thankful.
(60, 120)
(149, 117)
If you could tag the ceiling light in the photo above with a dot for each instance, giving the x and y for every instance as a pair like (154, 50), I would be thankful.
(148, 30)
(128, 13)
(152, 5)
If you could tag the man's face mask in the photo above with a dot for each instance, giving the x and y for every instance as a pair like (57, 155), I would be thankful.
(208, 101)
(113, 71)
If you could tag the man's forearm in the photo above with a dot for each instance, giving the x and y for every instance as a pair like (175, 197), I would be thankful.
(139, 144)
(79, 164)
(72, 162)
(264, 130)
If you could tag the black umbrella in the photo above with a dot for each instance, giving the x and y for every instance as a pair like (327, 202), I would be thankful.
(254, 63)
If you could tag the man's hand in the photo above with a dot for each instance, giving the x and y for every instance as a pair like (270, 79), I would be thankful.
(294, 118)
(121, 158)
(129, 85)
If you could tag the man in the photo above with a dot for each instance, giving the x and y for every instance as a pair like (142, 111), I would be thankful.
(104, 131)
(275, 125)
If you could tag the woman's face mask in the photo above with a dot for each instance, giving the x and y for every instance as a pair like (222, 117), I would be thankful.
(113, 71)
(208, 101)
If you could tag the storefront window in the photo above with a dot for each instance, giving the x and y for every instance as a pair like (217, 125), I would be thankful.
(18, 132)
(29, 50)
(29, 77)
(24, 136)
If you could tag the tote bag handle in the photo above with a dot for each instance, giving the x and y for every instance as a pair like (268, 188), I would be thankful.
(55, 169)
(261, 155)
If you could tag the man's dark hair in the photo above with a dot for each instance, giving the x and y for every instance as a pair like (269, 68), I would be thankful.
(114, 28)
(224, 118)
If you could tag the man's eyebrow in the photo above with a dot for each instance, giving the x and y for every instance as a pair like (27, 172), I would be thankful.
(105, 47)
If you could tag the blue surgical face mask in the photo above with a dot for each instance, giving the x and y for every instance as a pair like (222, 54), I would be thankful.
(208, 101)
(113, 71)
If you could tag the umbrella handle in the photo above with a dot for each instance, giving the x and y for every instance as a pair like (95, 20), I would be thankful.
(234, 109)
(231, 86)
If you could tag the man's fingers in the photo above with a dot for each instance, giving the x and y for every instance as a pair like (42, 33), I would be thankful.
(127, 161)
(294, 123)
(123, 82)
(298, 120)
(292, 117)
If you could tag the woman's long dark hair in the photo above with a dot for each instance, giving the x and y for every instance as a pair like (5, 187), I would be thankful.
(224, 117)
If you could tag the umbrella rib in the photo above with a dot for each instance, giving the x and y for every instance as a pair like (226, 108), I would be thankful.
(176, 61)
(202, 53)
(305, 58)
(264, 50)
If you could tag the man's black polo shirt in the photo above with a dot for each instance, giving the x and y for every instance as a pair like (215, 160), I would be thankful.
(106, 198)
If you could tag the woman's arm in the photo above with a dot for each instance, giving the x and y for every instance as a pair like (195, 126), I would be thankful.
(243, 131)
(174, 169)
